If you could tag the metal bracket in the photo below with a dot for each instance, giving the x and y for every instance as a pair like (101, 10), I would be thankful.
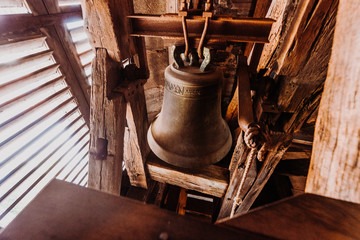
(176, 52)
(209, 55)
(131, 80)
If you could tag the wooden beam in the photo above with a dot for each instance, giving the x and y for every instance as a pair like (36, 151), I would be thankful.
(298, 184)
(278, 10)
(10, 23)
(305, 65)
(109, 28)
(136, 146)
(334, 170)
(261, 9)
(107, 123)
(107, 23)
(212, 180)
(295, 155)
(221, 28)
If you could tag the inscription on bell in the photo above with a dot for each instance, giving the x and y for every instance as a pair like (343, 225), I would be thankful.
(187, 91)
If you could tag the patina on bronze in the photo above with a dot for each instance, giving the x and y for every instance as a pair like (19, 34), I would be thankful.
(189, 132)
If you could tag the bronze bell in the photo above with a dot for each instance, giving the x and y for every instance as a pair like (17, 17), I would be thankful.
(189, 132)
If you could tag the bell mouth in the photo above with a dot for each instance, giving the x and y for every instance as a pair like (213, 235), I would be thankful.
(190, 162)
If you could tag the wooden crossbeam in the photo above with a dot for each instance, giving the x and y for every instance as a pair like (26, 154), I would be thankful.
(221, 28)
(212, 180)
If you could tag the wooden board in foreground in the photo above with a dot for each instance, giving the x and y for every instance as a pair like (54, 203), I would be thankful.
(66, 211)
(306, 216)
(212, 180)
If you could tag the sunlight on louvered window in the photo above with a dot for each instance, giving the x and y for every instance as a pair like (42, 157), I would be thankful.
(83, 47)
(13, 7)
(69, 2)
(42, 132)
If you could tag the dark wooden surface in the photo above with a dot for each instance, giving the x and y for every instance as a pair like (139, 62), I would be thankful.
(306, 216)
(66, 211)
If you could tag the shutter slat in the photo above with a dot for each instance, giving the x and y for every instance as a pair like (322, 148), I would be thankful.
(11, 188)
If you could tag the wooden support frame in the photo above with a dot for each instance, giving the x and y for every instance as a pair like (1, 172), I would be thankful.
(274, 148)
(109, 29)
(212, 180)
